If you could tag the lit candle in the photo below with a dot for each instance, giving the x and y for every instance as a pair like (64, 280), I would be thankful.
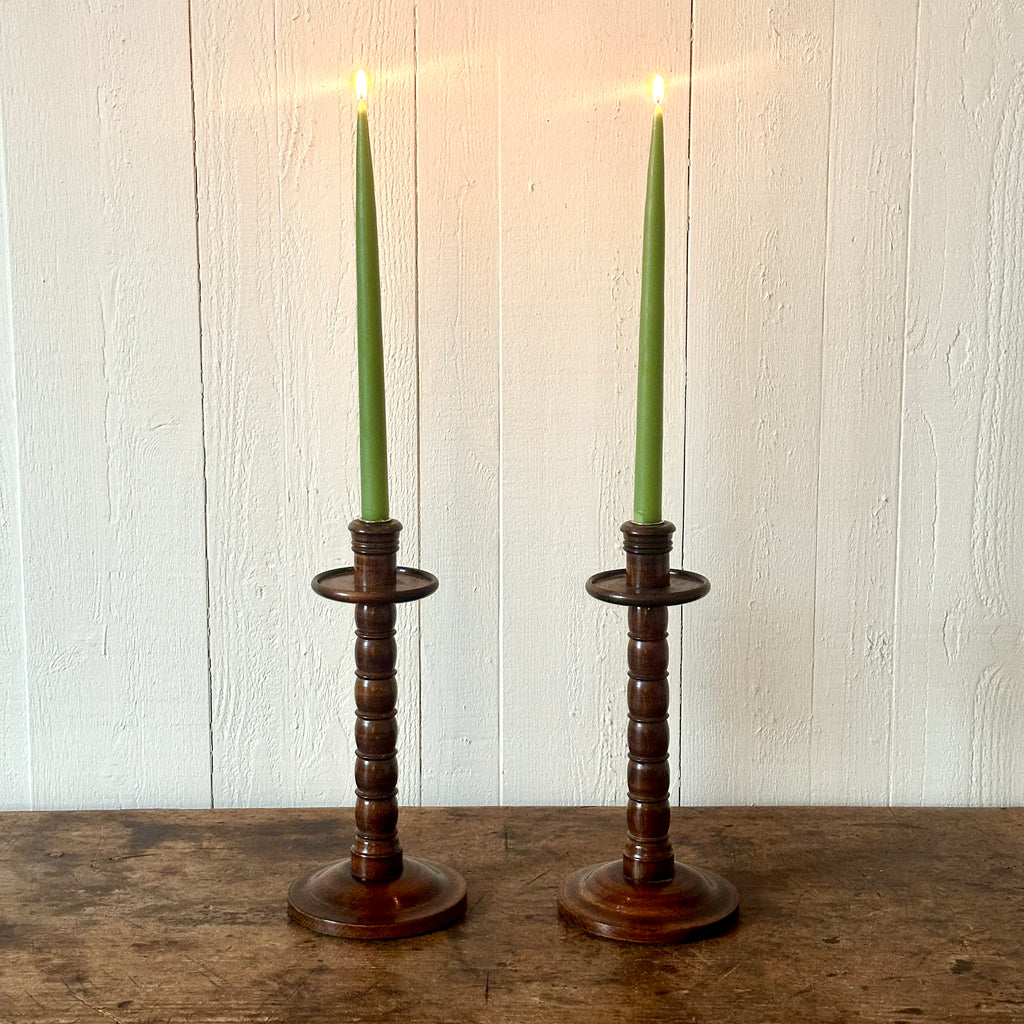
(651, 363)
(373, 446)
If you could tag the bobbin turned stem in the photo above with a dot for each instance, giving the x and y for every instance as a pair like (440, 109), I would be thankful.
(376, 852)
(648, 855)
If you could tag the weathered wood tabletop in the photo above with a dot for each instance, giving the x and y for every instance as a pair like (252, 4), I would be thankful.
(846, 915)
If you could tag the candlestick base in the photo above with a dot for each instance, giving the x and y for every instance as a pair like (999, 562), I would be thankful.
(422, 899)
(694, 904)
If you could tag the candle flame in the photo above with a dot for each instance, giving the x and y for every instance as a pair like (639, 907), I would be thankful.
(361, 88)
(659, 89)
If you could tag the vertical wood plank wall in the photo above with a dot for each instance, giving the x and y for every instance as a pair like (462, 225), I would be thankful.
(844, 390)
(107, 684)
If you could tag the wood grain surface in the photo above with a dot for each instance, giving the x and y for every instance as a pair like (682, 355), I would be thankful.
(910, 915)
(959, 656)
(863, 320)
(755, 334)
(460, 341)
(178, 422)
(101, 310)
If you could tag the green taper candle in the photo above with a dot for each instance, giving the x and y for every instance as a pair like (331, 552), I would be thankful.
(373, 442)
(651, 363)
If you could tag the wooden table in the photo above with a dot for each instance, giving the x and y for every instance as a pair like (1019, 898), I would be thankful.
(846, 915)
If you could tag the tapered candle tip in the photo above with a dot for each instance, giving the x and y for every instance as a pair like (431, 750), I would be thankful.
(361, 89)
(659, 89)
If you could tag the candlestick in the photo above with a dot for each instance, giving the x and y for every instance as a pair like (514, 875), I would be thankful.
(651, 362)
(376, 892)
(373, 445)
(647, 895)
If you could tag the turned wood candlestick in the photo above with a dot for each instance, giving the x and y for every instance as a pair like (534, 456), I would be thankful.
(647, 895)
(376, 893)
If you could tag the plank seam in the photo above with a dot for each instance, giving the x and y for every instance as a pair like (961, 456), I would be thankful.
(686, 405)
(897, 560)
(202, 400)
(419, 383)
(17, 521)
(821, 402)
(501, 451)
(283, 341)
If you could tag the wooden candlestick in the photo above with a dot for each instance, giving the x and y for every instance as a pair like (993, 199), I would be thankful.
(377, 893)
(648, 896)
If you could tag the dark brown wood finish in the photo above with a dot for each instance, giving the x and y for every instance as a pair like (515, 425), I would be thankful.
(648, 897)
(912, 915)
(377, 893)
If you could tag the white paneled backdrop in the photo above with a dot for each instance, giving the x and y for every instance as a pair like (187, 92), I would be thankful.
(845, 394)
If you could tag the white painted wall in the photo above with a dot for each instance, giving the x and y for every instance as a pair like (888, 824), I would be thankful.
(845, 388)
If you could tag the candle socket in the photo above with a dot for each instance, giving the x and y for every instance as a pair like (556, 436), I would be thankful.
(647, 895)
(377, 892)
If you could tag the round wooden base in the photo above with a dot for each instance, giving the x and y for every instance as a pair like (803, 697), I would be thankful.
(695, 904)
(424, 898)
